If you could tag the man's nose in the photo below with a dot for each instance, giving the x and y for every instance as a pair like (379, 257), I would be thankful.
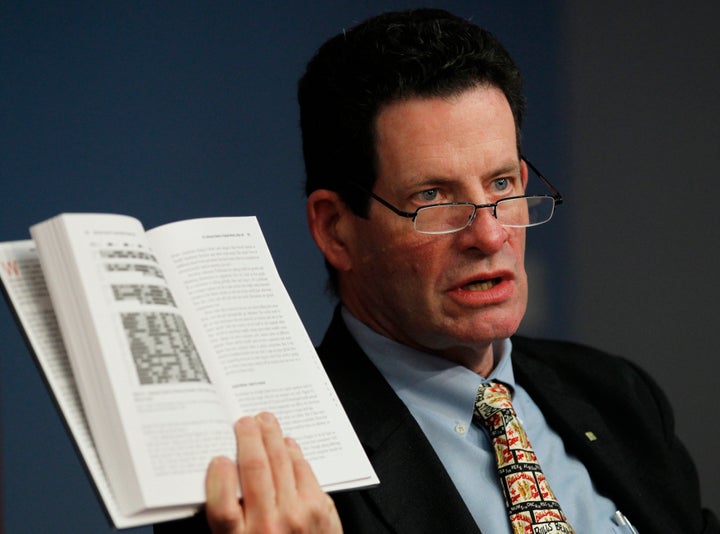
(485, 232)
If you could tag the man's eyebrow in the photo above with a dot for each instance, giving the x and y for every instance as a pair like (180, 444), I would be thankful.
(430, 180)
(433, 180)
(511, 168)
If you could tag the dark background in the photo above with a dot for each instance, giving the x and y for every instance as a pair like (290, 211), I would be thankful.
(174, 110)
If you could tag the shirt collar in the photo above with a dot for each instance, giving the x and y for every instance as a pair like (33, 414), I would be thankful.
(427, 381)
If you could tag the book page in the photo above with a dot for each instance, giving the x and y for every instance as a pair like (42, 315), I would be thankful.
(27, 294)
(154, 413)
(253, 342)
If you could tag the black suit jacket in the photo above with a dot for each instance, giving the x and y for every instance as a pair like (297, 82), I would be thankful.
(651, 479)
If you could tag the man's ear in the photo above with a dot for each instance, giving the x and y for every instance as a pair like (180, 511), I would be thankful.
(327, 217)
(524, 173)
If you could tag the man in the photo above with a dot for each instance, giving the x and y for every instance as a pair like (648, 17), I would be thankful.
(416, 197)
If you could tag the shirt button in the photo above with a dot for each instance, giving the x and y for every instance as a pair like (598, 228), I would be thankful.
(461, 428)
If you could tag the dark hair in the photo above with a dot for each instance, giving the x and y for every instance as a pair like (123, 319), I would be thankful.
(393, 56)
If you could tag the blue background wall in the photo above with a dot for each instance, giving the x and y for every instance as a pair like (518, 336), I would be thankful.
(173, 110)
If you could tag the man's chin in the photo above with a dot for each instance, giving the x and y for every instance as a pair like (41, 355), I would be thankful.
(484, 333)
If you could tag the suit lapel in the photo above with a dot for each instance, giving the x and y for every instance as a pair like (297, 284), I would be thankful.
(587, 434)
(579, 423)
(415, 492)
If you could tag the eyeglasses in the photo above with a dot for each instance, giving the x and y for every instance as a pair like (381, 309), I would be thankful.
(516, 212)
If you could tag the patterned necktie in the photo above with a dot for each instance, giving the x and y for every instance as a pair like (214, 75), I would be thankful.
(531, 504)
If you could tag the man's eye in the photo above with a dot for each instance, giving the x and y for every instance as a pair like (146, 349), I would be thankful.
(501, 184)
(429, 196)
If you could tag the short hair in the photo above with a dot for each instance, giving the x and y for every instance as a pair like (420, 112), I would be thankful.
(394, 56)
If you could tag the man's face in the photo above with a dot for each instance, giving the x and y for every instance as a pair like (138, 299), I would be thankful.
(449, 294)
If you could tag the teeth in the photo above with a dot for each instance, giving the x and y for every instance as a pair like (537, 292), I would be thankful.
(482, 285)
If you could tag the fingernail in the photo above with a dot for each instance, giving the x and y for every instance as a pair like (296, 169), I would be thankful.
(245, 422)
(266, 418)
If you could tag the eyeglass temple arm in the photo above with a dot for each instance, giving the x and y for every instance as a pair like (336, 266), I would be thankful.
(556, 194)
(407, 214)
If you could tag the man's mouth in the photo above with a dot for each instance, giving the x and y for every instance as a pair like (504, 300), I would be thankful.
(482, 285)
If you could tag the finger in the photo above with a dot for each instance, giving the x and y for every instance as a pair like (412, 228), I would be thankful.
(256, 481)
(305, 479)
(279, 458)
(320, 505)
(223, 511)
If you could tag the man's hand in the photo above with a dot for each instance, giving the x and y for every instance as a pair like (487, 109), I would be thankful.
(279, 491)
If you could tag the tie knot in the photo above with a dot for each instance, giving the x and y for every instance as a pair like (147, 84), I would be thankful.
(492, 397)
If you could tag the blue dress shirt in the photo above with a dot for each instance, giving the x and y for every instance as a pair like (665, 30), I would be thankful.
(440, 395)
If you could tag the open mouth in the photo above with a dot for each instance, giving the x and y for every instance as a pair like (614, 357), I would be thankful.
(482, 285)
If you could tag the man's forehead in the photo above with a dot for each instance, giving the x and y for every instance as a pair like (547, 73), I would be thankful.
(437, 138)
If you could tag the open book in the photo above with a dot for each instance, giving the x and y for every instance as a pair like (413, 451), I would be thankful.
(154, 343)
